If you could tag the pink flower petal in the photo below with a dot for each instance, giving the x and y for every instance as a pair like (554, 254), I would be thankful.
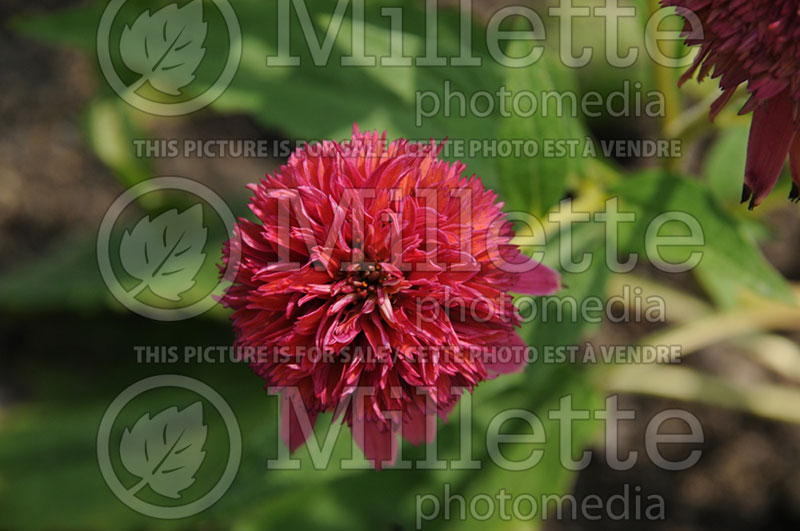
(541, 280)
(771, 135)
(295, 430)
(377, 441)
(507, 361)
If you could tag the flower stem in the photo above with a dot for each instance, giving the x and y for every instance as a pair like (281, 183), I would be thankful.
(667, 85)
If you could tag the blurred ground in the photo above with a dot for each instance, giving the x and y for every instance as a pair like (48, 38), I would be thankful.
(51, 184)
(747, 477)
(54, 187)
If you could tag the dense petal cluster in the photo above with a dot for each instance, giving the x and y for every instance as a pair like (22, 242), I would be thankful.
(383, 276)
(755, 42)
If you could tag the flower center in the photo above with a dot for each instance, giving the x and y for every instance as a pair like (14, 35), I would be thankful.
(365, 279)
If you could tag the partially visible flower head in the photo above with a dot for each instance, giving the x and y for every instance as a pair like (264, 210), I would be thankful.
(755, 42)
(383, 275)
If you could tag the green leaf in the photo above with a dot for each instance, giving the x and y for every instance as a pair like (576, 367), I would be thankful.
(548, 477)
(110, 126)
(312, 102)
(534, 184)
(724, 166)
(544, 384)
(730, 260)
(551, 328)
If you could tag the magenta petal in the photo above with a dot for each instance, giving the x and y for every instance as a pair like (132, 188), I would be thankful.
(294, 432)
(794, 162)
(541, 280)
(503, 361)
(771, 135)
(377, 441)
(414, 427)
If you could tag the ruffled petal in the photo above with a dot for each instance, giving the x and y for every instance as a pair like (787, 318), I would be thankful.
(771, 135)
(420, 428)
(541, 280)
(507, 360)
(377, 440)
(295, 429)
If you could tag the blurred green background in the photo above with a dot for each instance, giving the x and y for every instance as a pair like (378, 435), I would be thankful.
(67, 347)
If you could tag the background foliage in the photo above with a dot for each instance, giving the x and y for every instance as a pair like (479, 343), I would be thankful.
(48, 442)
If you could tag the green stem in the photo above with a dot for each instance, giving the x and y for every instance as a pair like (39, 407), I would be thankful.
(667, 85)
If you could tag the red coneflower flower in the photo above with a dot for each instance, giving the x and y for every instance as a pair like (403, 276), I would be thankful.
(382, 275)
(758, 42)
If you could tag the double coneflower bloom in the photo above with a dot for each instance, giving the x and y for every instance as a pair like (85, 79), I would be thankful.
(381, 275)
(755, 42)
